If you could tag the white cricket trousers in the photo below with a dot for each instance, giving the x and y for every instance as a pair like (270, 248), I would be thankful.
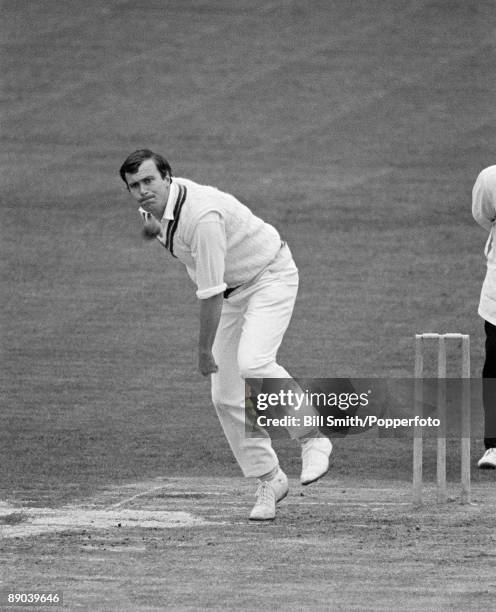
(251, 328)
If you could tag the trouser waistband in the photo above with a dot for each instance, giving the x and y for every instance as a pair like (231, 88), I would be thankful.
(229, 290)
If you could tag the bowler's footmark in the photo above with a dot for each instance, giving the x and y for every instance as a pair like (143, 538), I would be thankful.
(25, 522)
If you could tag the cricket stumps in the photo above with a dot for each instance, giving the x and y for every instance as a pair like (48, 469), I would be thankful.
(442, 340)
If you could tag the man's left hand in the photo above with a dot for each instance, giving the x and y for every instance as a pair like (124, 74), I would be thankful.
(207, 364)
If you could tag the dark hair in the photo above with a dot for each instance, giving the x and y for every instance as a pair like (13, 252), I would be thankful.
(134, 161)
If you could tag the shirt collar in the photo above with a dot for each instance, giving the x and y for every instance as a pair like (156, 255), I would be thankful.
(171, 202)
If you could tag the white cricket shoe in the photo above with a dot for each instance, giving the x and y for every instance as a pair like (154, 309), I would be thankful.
(315, 453)
(269, 493)
(488, 460)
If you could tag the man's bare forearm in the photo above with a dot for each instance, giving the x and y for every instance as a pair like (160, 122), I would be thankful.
(210, 311)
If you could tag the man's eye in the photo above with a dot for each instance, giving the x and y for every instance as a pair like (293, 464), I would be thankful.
(147, 181)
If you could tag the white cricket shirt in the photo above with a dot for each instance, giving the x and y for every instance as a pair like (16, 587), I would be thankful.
(219, 240)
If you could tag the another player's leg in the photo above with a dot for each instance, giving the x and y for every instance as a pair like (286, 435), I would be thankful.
(488, 460)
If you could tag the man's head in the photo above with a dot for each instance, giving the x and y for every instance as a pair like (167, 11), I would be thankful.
(148, 177)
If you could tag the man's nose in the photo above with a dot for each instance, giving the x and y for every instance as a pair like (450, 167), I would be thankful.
(142, 188)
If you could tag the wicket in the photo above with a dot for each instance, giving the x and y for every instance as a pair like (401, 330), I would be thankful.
(441, 402)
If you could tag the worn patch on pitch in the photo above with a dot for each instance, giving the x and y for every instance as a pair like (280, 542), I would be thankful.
(24, 522)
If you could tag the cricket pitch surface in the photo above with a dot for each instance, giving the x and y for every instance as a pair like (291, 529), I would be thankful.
(186, 544)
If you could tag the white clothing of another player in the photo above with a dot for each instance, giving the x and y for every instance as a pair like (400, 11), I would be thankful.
(484, 213)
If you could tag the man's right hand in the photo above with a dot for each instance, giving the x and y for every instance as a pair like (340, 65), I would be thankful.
(152, 228)
(207, 364)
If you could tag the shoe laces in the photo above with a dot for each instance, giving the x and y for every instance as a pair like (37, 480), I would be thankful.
(265, 493)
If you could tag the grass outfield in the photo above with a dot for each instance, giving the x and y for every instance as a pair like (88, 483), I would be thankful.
(357, 132)
(358, 129)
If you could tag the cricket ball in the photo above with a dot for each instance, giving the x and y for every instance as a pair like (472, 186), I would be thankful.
(151, 228)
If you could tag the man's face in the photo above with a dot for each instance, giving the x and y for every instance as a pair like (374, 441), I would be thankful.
(149, 189)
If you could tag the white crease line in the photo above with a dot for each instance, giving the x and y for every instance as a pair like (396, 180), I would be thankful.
(138, 495)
